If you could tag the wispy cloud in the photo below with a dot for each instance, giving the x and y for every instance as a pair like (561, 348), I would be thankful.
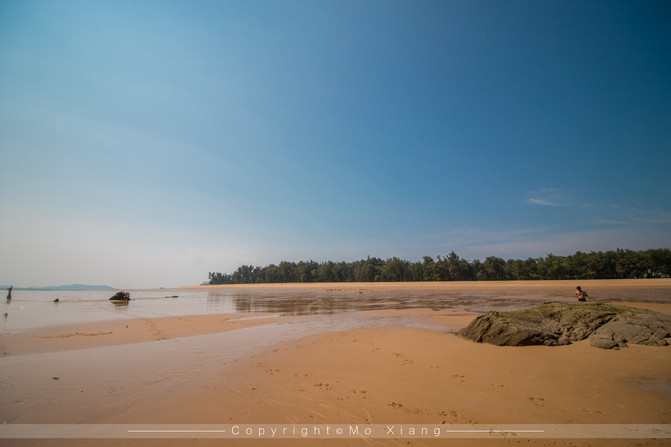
(548, 197)
(629, 215)
(556, 197)
(543, 202)
(603, 221)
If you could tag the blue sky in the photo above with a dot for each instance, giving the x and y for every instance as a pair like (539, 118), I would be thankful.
(146, 143)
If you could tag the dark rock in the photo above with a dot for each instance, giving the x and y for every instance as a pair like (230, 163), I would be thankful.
(556, 323)
(121, 296)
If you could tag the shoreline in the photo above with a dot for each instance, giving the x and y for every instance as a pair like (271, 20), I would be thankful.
(650, 283)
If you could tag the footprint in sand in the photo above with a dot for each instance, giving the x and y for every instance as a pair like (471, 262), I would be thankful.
(453, 414)
(78, 334)
(538, 401)
(155, 331)
(404, 360)
(587, 410)
(395, 405)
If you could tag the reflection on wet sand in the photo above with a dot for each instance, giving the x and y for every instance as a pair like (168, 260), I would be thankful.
(121, 304)
(313, 302)
(329, 302)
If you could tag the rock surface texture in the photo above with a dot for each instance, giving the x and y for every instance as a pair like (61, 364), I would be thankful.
(552, 324)
(121, 296)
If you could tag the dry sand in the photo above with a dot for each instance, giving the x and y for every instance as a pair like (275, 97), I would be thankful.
(383, 375)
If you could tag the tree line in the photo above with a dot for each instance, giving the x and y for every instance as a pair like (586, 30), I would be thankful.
(618, 264)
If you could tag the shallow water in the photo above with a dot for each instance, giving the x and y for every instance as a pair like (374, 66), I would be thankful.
(31, 309)
(99, 384)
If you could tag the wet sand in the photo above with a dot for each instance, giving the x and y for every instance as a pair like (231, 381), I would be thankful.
(593, 284)
(385, 366)
(113, 333)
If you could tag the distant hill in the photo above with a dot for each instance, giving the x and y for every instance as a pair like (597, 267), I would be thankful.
(67, 287)
(78, 287)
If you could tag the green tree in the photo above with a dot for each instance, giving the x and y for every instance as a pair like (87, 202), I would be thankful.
(304, 271)
(244, 275)
(442, 269)
(610, 264)
(368, 270)
(287, 272)
(556, 267)
(493, 269)
(395, 269)
(459, 269)
(219, 278)
(429, 269)
(659, 263)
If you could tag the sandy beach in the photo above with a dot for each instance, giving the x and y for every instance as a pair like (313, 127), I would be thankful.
(399, 366)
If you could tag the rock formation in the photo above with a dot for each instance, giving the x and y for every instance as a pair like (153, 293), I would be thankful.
(121, 296)
(558, 323)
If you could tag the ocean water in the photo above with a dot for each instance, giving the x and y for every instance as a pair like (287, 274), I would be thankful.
(31, 309)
